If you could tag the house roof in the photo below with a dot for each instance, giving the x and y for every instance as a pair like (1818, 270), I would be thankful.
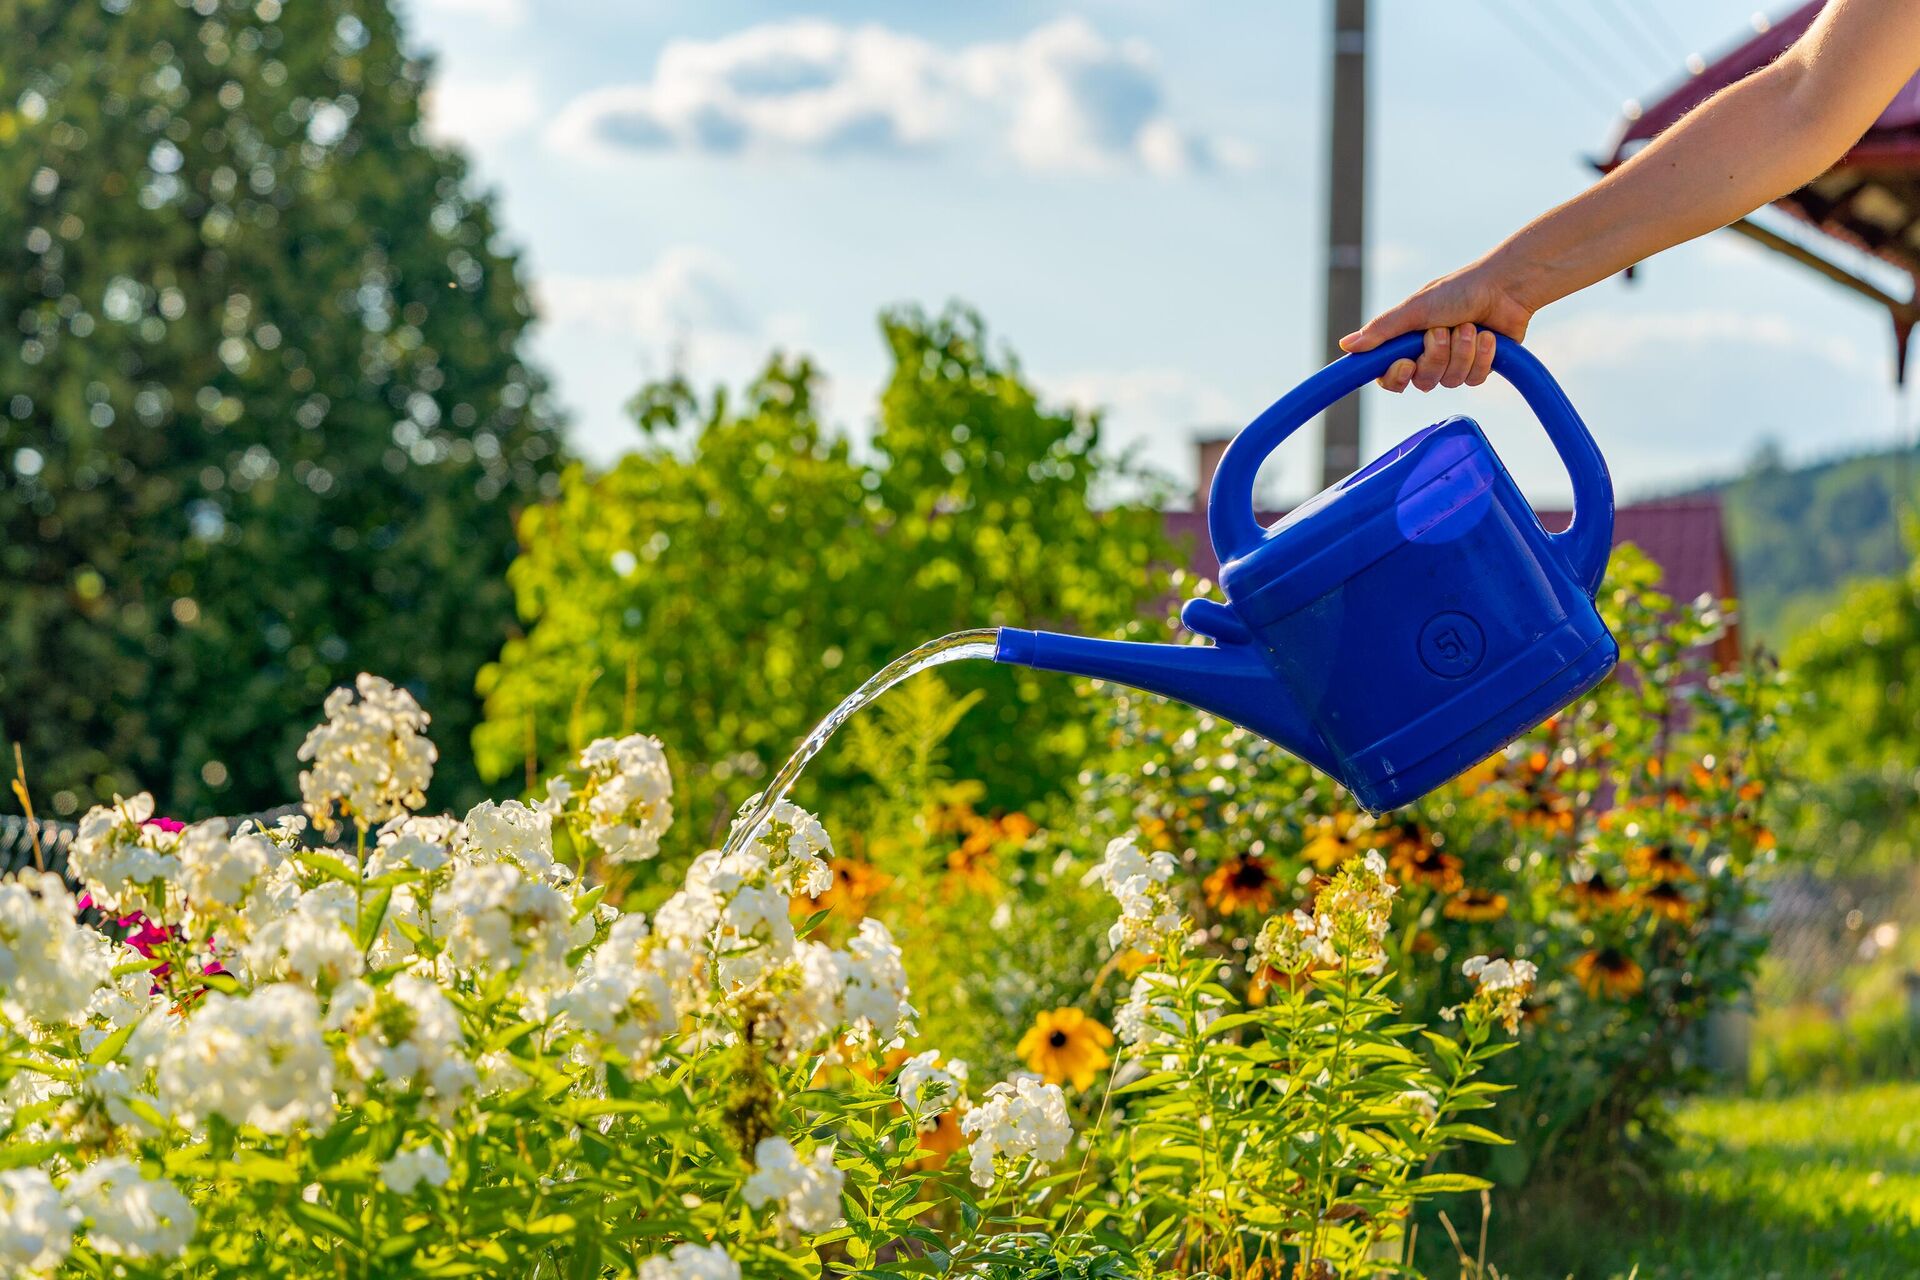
(1686, 537)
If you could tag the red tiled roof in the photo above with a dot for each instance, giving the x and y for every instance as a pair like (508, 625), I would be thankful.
(1686, 537)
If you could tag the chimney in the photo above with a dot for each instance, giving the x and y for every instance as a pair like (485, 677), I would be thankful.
(1209, 450)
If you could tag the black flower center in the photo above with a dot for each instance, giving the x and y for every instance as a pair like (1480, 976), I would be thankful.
(1057, 1039)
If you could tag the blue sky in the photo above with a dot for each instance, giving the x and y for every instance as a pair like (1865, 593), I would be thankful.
(1131, 193)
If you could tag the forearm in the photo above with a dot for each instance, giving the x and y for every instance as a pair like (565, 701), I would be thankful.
(1750, 144)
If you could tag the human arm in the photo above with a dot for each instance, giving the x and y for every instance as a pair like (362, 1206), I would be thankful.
(1749, 144)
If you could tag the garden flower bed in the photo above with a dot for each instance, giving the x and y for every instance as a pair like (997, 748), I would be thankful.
(434, 1047)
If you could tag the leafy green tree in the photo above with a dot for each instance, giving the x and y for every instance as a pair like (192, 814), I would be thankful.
(263, 416)
(1853, 745)
(724, 590)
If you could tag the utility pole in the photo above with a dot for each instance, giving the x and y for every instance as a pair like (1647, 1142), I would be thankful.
(1346, 225)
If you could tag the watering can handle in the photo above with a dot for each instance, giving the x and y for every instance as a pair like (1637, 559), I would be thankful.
(1585, 543)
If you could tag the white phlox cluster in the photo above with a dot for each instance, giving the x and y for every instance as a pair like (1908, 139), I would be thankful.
(1022, 1119)
(1138, 883)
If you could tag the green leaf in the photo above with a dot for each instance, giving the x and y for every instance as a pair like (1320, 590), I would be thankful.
(1439, 1183)
(372, 911)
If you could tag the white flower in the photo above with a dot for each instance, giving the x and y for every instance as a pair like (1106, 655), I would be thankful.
(795, 847)
(121, 860)
(620, 998)
(50, 966)
(413, 843)
(927, 1087)
(407, 1034)
(875, 998)
(36, 1225)
(1137, 882)
(370, 757)
(310, 938)
(1148, 1019)
(255, 1060)
(216, 871)
(1019, 1118)
(629, 795)
(498, 920)
(130, 1215)
(690, 1262)
(512, 832)
(1500, 975)
(810, 1189)
(413, 1166)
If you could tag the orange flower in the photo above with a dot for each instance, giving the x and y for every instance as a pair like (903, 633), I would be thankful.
(1595, 893)
(1660, 862)
(1481, 775)
(1415, 861)
(1335, 838)
(855, 885)
(1066, 1045)
(1132, 962)
(973, 864)
(971, 867)
(1609, 973)
(1666, 901)
(1241, 883)
(1476, 905)
(939, 1139)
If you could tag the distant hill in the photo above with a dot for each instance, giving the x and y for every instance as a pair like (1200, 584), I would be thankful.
(1801, 534)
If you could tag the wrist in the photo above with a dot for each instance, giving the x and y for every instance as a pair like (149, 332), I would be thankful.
(1516, 271)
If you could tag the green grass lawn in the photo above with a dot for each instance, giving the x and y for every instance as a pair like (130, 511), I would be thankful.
(1823, 1185)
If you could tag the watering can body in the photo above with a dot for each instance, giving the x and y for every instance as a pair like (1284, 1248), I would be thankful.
(1400, 626)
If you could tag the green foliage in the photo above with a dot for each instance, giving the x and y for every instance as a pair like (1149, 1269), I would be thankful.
(725, 589)
(1852, 745)
(1303, 1126)
(264, 416)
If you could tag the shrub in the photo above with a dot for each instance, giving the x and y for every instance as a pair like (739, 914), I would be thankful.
(1851, 746)
(729, 582)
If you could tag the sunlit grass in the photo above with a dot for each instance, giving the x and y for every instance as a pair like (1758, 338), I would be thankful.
(1820, 1185)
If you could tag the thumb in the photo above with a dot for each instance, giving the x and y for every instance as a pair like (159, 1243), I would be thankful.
(1390, 323)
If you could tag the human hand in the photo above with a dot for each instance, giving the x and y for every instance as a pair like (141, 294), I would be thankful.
(1463, 314)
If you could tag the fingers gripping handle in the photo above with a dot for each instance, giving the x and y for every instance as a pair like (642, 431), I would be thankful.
(1586, 541)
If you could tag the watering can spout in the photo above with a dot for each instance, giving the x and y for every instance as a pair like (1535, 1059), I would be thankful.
(1228, 679)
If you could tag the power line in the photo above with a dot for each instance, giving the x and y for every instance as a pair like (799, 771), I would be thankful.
(1649, 14)
(1549, 50)
(1571, 21)
(1628, 19)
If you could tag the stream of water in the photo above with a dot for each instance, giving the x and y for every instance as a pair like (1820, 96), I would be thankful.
(961, 645)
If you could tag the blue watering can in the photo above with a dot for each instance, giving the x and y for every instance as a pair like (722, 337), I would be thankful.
(1401, 626)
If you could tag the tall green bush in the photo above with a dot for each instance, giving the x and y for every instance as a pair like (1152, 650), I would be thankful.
(263, 417)
(727, 583)
(1854, 743)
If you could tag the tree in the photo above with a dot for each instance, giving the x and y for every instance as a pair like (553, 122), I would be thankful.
(263, 415)
(725, 591)
(1853, 745)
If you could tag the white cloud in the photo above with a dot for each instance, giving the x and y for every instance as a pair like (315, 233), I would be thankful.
(689, 293)
(478, 112)
(1063, 97)
(499, 13)
(1612, 339)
